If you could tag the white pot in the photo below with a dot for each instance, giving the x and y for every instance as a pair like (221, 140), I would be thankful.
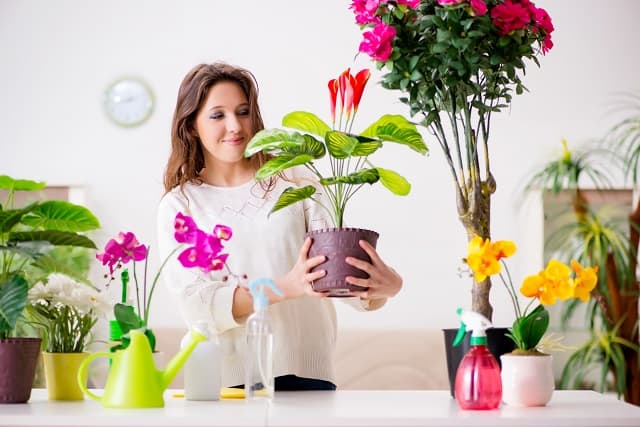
(527, 380)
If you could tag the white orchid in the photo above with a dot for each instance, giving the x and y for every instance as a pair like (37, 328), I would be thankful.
(69, 309)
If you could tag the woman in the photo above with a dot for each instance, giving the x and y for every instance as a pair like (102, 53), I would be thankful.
(208, 177)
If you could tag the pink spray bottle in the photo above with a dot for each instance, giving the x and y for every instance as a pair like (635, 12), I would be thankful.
(478, 384)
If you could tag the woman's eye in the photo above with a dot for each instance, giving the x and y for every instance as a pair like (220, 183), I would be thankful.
(243, 112)
(216, 116)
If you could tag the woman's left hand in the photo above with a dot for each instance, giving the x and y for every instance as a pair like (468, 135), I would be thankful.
(383, 282)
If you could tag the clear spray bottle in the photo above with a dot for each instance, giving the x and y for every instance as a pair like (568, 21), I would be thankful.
(258, 368)
(478, 384)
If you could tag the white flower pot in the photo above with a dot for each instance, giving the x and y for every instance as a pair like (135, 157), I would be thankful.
(527, 380)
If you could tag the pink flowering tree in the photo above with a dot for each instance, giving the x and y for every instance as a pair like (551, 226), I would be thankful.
(456, 62)
(203, 250)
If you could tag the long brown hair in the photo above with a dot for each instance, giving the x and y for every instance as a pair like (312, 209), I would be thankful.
(187, 159)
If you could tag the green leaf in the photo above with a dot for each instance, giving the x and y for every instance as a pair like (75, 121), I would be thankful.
(269, 140)
(11, 184)
(282, 162)
(394, 182)
(533, 327)
(311, 146)
(365, 176)
(127, 317)
(340, 145)
(60, 215)
(395, 128)
(11, 218)
(306, 122)
(54, 237)
(13, 299)
(293, 195)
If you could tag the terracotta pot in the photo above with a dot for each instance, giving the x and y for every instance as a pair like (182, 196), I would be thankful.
(337, 244)
(18, 357)
(527, 380)
(61, 371)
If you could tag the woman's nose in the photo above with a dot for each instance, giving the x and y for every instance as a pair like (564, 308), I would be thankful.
(233, 123)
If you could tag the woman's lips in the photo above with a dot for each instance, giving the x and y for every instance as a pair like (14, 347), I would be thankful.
(234, 141)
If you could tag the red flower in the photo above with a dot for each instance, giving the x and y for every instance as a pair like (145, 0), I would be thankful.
(509, 17)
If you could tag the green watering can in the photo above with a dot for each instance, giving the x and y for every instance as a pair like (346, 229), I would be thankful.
(134, 381)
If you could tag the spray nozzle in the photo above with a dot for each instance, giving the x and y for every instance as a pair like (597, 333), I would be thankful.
(257, 289)
(476, 322)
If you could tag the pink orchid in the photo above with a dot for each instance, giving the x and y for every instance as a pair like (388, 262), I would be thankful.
(378, 42)
(222, 232)
(121, 250)
(185, 228)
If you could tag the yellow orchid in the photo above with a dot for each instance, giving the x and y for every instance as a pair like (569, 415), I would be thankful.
(553, 283)
(585, 281)
(484, 257)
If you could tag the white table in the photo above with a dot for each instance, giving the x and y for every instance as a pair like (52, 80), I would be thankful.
(340, 408)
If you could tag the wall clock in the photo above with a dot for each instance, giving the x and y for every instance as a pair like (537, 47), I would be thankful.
(128, 101)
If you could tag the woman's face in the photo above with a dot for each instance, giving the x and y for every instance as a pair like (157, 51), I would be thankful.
(224, 124)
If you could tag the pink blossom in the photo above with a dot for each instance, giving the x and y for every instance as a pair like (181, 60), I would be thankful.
(450, 2)
(222, 232)
(122, 249)
(185, 228)
(413, 4)
(479, 7)
(365, 11)
(543, 21)
(378, 42)
(509, 17)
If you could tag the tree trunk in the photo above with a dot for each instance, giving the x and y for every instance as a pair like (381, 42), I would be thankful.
(476, 220)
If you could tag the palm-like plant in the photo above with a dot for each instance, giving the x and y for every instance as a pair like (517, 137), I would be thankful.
(593, 238)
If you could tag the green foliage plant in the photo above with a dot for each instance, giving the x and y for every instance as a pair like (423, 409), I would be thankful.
(27, 237)
(310, 139)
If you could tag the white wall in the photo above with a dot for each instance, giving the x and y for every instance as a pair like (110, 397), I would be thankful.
(59, 56)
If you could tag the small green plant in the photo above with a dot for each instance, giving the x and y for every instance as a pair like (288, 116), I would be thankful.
(348, 153)
(27, 237)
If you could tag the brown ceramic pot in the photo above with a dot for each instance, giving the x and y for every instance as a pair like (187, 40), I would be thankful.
(337, 244)
(18, 358)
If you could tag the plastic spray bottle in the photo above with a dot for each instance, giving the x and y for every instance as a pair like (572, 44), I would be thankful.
(478, 384)
(258, 367)
(203, 369)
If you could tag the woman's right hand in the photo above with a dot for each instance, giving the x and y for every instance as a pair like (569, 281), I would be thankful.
(297, 282)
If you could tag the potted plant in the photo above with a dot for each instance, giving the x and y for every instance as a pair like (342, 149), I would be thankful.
(310, 139)
(28, 236)
(66, 311)
(456, 62)
(527, 374)
(596, 237)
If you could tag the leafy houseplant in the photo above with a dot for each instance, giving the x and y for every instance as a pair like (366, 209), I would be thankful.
(312, 139)
(28, 238)
(456, 63)
(204, 250)
(595, 237)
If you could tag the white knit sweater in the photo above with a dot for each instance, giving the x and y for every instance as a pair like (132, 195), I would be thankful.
(304, 328)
